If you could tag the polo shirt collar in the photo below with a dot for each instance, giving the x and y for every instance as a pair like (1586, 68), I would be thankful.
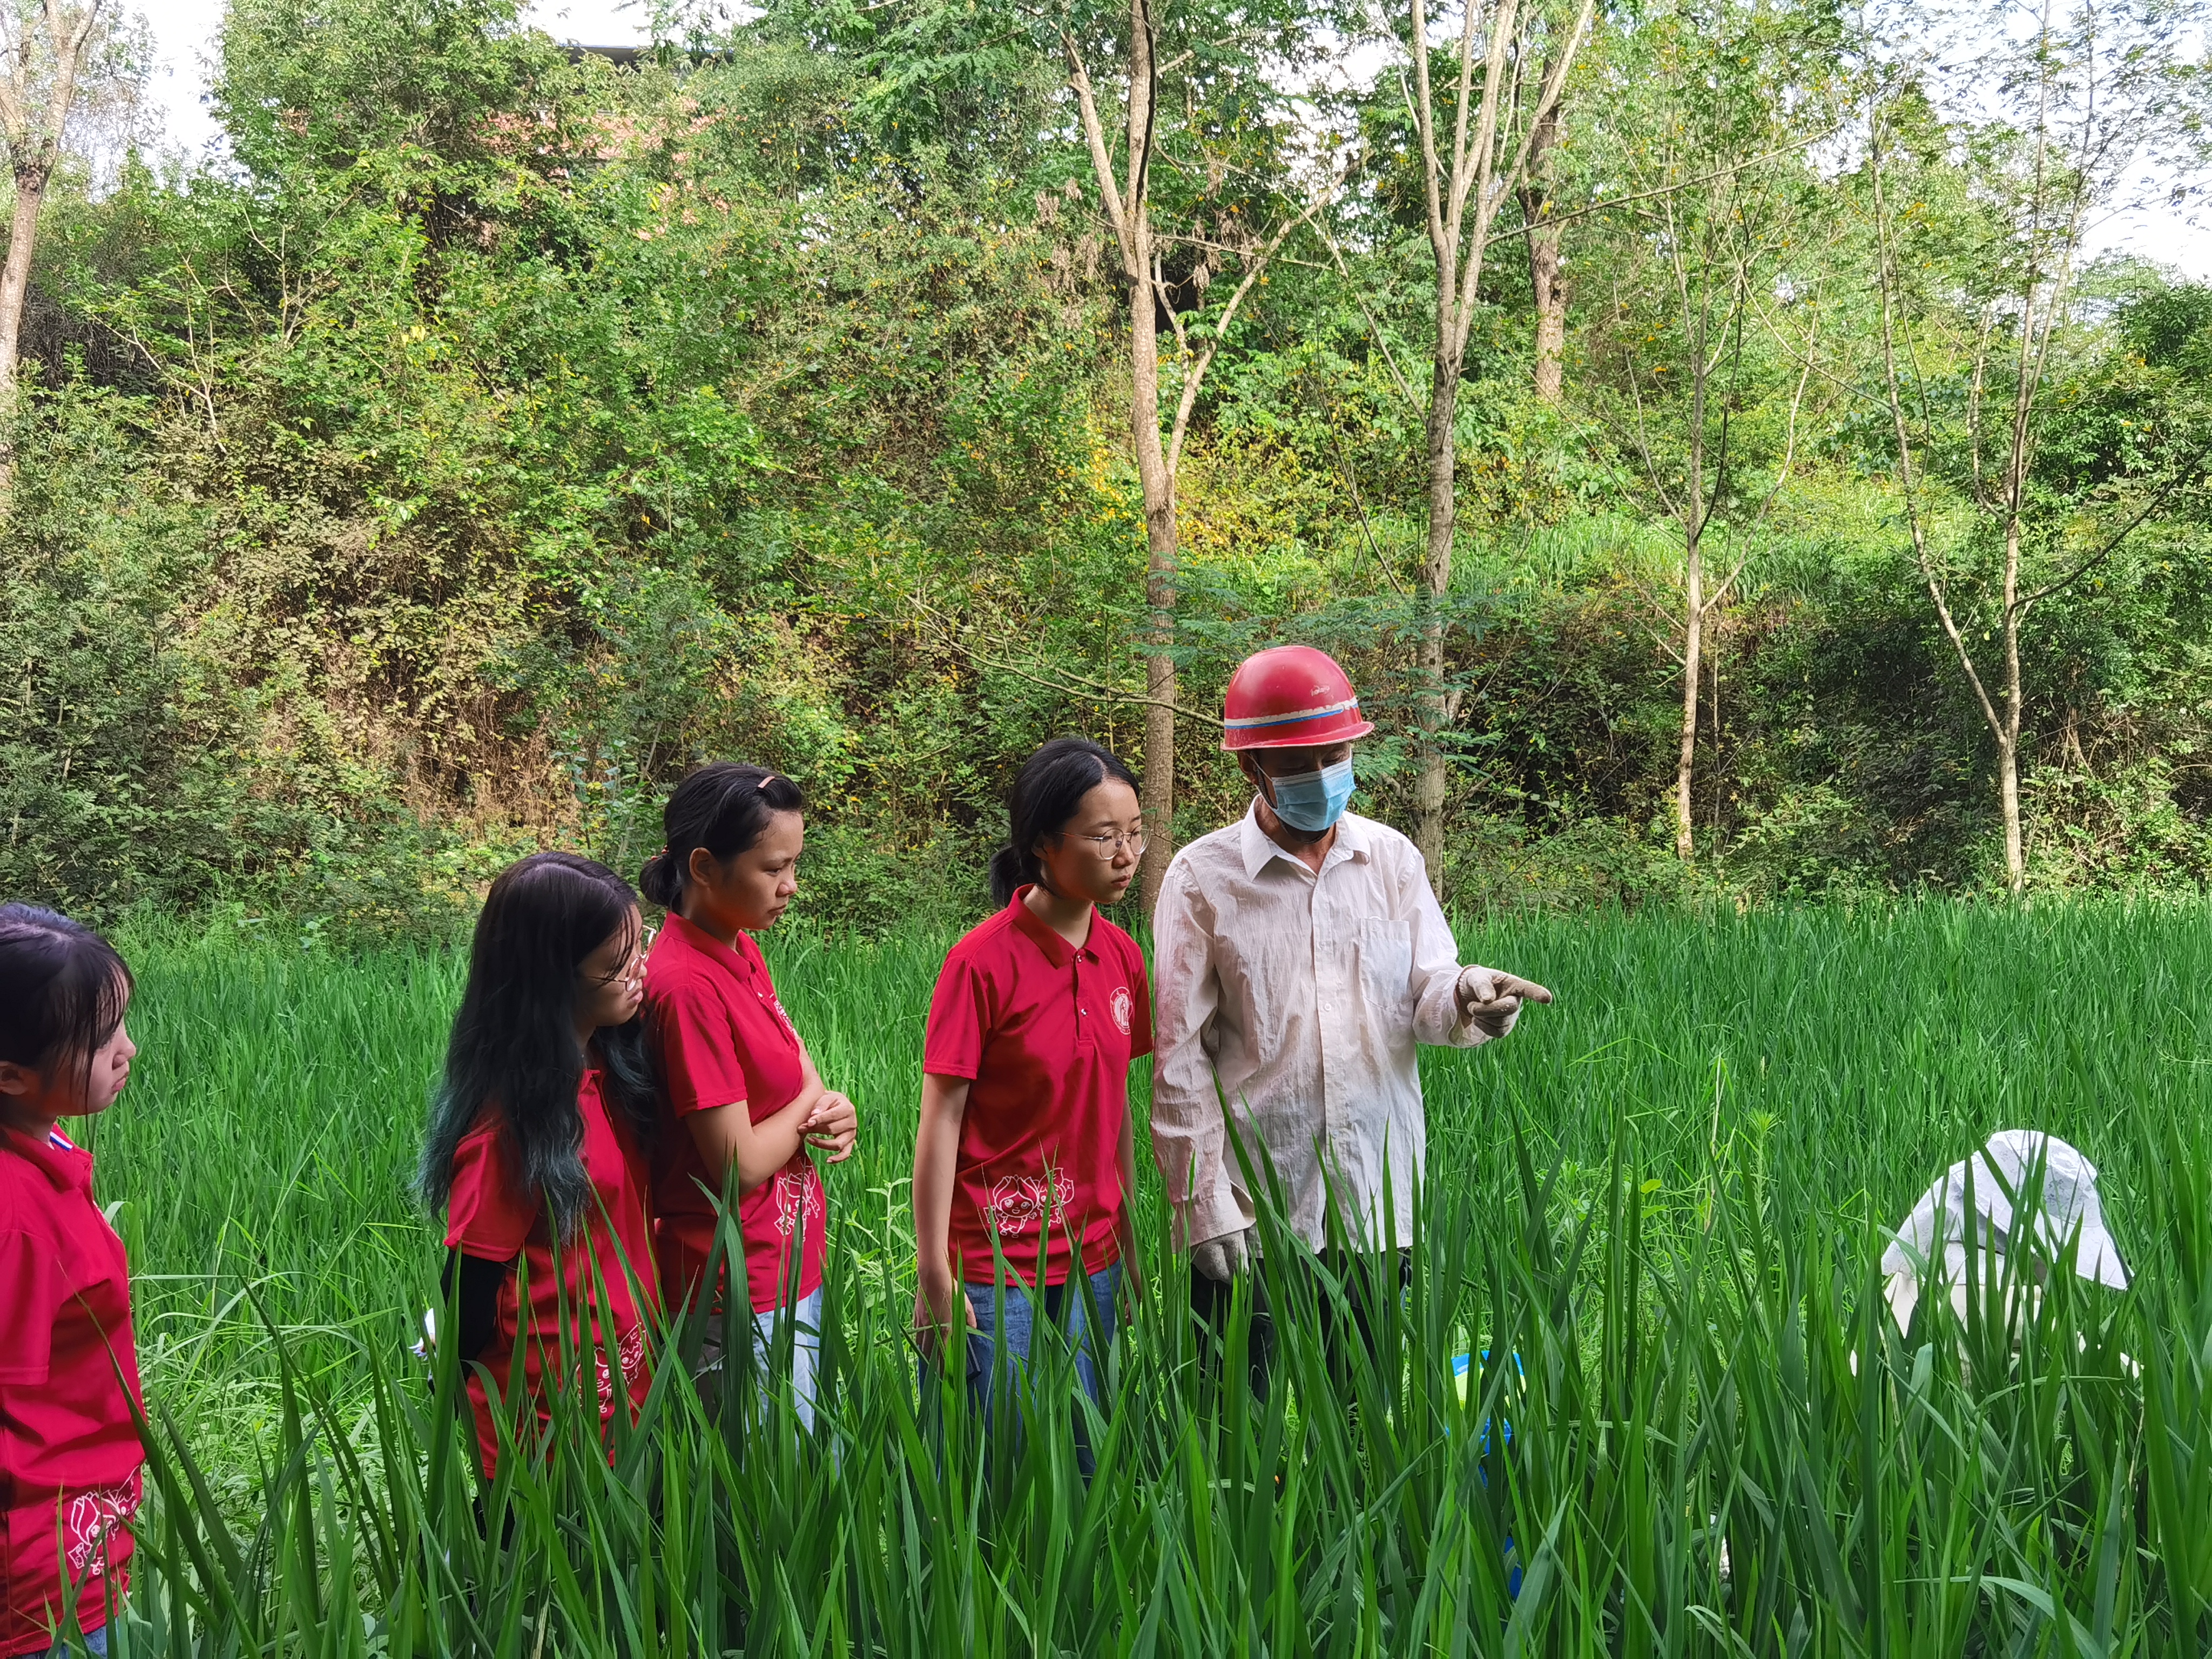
(706, 944)
(62, 1163)
(1057, 951)
(1258, 846)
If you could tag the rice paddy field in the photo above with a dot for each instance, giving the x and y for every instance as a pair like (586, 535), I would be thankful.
(1663, 1196)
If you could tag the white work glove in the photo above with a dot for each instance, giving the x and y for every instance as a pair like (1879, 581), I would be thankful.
(1222, 1258)
(1490, 1001)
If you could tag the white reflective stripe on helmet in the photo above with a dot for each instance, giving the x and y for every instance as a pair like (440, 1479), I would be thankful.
(1350, 704)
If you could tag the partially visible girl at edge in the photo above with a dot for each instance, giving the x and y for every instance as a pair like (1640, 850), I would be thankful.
(69, 1456)
(533, 1151)
(744, 1094)
(1025, 1137)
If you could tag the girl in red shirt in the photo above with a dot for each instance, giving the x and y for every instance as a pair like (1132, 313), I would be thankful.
(743, 1100)
(69, 1458)
(1025, 1164)
(532, 1150)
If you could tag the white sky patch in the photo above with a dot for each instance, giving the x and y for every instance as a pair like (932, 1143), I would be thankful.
(185, 31)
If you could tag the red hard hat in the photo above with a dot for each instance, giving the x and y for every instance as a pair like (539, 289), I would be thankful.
(1290, 696)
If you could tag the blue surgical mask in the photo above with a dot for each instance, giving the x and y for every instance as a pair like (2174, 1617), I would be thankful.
(1313, 800)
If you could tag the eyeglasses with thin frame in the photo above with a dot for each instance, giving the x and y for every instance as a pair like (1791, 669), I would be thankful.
(1110, 846)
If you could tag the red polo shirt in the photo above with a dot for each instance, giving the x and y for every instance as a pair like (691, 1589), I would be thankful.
(1046, 1033)
(723, 1038)
(69, 1456)
(492, 1215)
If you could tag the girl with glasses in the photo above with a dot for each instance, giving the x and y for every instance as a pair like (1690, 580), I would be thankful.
(1024, 1165)
(534, 1150)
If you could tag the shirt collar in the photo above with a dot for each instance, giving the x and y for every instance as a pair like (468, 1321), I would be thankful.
(1258, 846)
(63, 1163)
(707, 946)
(1057, 951)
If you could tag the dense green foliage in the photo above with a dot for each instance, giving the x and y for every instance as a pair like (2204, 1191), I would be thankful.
(500, 431)
(1664, 1192)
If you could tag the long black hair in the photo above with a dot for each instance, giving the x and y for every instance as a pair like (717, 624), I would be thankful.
(513, 1046)
(725, 806)
(63, 990)
(1046, 792)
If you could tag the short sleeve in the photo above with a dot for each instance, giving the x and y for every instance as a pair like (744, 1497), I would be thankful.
(959, 1019)
(697, 1047)
(487, 1214)
(30, 1296)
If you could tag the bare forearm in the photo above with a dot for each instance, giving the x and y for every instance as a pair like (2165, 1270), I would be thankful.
(733, 1146)
(772, 1143)
(936, 1158)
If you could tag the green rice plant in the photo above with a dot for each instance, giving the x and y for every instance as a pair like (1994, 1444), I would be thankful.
(1656, 1208)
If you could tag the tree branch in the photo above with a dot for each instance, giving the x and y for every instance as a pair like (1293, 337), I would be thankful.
(1374, 328)
(1888, 281)
(2112, 546)
(1102, 160)
(1255, 266)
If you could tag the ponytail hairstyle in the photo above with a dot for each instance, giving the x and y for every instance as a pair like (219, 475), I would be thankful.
(63, 992)
(514, 1048)
(1046, 792)
(725, 806)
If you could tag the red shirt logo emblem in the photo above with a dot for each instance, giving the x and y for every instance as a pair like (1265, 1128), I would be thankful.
(1121, 1005)
(629, 1354)
(1021, 1202)
(798, 1201)
(92, 1516)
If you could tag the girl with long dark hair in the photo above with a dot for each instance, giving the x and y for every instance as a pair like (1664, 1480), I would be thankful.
(69, 1457)
(1024, 1165)
(533, 1151)
(744, 1099)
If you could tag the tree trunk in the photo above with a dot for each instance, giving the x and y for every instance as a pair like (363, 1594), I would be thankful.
(1547, 287)
(1693, 640)
(1551, 315)
(2008, 739)
(1157, 481)
(1429, 787)
(1453, 189)
(16, 277)
(2009, 803)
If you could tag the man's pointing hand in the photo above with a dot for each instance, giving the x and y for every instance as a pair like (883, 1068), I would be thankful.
(1490, 1001)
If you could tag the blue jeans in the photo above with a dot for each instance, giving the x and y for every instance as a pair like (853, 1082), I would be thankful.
(805, 1349)
(1084, 1312)
(96, 1642)
(806, 1316)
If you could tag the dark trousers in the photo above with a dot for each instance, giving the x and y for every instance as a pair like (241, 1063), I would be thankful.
(1210, 1301)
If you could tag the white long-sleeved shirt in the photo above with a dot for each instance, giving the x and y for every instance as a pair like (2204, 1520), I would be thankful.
(1303, 995)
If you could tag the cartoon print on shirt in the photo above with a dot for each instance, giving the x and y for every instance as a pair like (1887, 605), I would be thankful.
(798, 1200)
(91, 1515)
(1121, 1004)
(1021, 1202)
